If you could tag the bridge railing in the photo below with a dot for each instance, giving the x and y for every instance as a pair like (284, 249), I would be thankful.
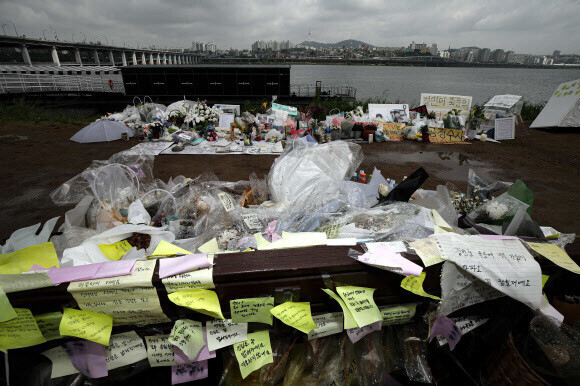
(308, 90)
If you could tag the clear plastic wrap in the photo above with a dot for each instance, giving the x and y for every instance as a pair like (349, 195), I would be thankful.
(334, 361)
(299, 365)
(370, 359)
(282, 347)
(415, 354)
(320, 167)
(392, 347)
(477, 187)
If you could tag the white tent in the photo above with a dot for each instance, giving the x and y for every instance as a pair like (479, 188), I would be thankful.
(102, 130)
(563, 108)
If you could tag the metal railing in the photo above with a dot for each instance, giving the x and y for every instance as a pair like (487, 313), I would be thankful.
(309, 90)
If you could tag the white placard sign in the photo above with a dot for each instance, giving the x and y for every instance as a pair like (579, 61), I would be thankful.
(504, 128)
(441, 104)
(222, 108)
(389, 112)
(561, 109)
(503, 101)
(226, 119)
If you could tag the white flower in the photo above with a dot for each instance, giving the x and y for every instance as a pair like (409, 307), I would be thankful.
(496, 210)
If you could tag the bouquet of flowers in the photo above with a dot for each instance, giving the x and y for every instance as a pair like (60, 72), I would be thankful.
(200, 115)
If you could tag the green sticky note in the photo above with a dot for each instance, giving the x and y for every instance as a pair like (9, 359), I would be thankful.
(544, 280)
(115, 251)
(361, 304)
(86, 325)
(23, 259)
(349, 321)
(295, 315)
(252, 310)
(210, 247)
(414, 284)
(49, 325)
(167, 249)
(20, 332)
(200, 300)
(188, 336)
(254, 353)
(6, 311)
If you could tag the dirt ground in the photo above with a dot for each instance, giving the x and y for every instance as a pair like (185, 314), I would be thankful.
(36, 158)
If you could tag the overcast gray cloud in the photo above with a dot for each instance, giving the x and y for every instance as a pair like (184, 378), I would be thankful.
(525, 26)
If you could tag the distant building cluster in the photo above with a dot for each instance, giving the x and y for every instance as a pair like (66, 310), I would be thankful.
(271, 45)
(423, 48)
(487, 55)
(204, 47)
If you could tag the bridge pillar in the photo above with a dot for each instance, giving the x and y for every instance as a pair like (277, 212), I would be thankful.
(158, 58)
(111, 58)
(150, 58)
(96, 56)
(134, 57)
(26, 56)
(164, 58)
(179, 59)
(78, 57)
(143, 58)
(124, 58)
(55, 58)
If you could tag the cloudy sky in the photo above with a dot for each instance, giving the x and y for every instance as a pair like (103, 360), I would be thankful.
(525, 26)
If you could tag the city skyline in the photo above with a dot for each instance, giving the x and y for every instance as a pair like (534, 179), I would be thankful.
(532, 27)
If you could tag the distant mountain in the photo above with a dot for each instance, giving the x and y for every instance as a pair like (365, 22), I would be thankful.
(345, 43)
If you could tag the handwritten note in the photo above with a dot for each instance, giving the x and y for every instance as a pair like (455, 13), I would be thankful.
(252, 310)
(189, 372)
(125, 349)
(384, 258)
(393, 131)
(86, 325)
(446, 328)
(557, 255)
(23, 259)
(414, 284)
(91, 271)
(223, 333)
(87, 357)
(49, 325)
(465, 324)
(349, 321)
(188, 336)
(254, 353)
(61, 363)
(296, 315)
(20, 332)
(116, 250)
(200, 300)
(177, 265)
(398, 314)
(202, 278)
(167, 249)
(6, 310)
(327, 324)
(25, 281)
(361, 304)
(427, 251)
(443, 135)
(356, 334)
(130, 299)
(160, 351)
(204, 354)
(226, 201)
(505, 265)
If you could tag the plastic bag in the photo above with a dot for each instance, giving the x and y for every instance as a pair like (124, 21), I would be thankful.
(371, 362)
(415, 354)
(299, 365)
(392, 349)
(477, 187)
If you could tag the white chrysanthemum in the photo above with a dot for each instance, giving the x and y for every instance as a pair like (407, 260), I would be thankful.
(496, 210)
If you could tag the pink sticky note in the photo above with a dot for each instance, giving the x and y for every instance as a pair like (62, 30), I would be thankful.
(446, 328)
(87, 357)
(204, 354)
(115, 268)
(81, 272)
(356, 334)
(385, 257)
(36, 267)
(188, 372)
(176, 265)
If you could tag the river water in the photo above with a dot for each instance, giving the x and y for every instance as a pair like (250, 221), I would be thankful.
(407, 83)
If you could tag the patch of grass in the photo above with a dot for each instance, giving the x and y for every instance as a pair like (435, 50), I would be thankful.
(531, 110)
(22, 111)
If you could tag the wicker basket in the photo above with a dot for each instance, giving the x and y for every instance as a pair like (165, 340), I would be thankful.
(507, 367)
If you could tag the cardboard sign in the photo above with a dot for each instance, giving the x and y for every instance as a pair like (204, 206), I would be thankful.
(441, 104)
(442, 135)
(503, 101)
(504, 128)
(394, 131)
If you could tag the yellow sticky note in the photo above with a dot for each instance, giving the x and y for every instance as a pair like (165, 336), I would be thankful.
(544, 280)
(23, 259)
(255, 310)
(556, 255)
(116, 250)
(210, 247)
(49, 325)
(167, 249)
(6, 311)
(21, 331)
(398, 314)
(86, 325)
(254, 353)
(360, 302)
(188, 336)
(295, 315)
(414, 284)
(200, 300)
(349, 321)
